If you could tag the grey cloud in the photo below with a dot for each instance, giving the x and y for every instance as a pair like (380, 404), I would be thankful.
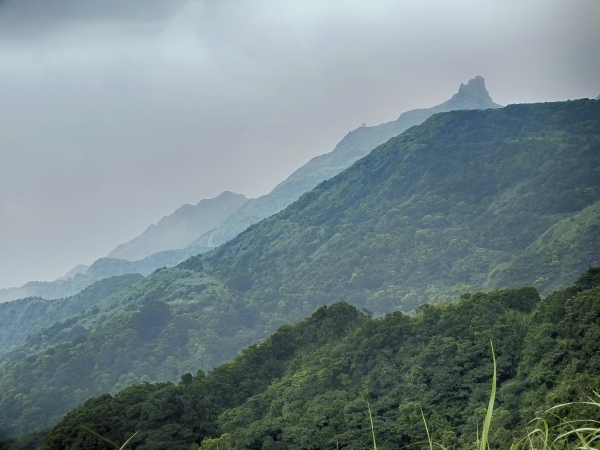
(49, 12)
(114, 113)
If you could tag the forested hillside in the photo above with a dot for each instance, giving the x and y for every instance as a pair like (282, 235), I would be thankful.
(352, 147)
(430, 215)
(456, 205)
(308, 385)
(171, 322)
(21, 318)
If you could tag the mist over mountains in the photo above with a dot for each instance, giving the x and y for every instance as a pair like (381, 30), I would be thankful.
(446, 208)
(259, 272)
(222, 218)
(181, 228)
(352, 147)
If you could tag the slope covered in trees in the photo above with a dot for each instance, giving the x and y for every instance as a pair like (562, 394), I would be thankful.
(352, 147)
(21, 318)
(169, 323)
(428, 215)
(308, 385)
(434, 213)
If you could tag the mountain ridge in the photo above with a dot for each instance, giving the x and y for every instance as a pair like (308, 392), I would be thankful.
(180, 228)
(352, 147)
(100, 269)
(425, 217)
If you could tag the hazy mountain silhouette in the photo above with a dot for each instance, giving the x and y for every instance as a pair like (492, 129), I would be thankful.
(189, 222)
(352, 147)
(181, 228)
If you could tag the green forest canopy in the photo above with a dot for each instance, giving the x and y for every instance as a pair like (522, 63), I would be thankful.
(307, 385)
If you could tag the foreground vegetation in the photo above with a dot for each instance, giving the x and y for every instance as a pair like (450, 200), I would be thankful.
(308, 385)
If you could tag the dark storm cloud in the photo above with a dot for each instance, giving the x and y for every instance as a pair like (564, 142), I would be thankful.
(114, 113)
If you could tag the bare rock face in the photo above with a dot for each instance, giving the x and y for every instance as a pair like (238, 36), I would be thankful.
(472, 95)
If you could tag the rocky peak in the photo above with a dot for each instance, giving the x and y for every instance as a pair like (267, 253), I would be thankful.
(472, 95)
(474, 86)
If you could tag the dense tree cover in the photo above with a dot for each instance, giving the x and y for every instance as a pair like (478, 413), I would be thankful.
(308, 385)
(20, 318)
(549, 261)
(424, 218)
(428, 215)
(176, 415)
(173, 322)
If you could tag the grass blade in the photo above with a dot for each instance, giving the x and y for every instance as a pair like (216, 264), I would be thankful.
(372, 427)
(483, 444)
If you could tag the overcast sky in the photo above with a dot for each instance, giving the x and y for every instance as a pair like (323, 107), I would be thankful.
(114, 113)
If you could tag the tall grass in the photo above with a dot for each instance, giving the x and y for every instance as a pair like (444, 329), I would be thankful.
(566, 435)
(105, 439)
(481, 443)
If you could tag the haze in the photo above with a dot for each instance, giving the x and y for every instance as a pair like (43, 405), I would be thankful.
(115, 113)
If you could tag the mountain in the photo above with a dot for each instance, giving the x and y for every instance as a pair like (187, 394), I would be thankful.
(352, 147)
(330, 380)
(171, 322)
(79, 268)
(437, 212)
(571, 244)
(208, 222)
(20, 318)
(598, 98)
(428, 215)
(100, 269)
(165, 244)
(181, 228)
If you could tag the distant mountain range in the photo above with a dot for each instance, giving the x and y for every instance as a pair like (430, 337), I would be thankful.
(20, 318)
(352, 147)
(209, 218)
(102, 268)
(467, 201)
(181, 228)
(79, 268)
